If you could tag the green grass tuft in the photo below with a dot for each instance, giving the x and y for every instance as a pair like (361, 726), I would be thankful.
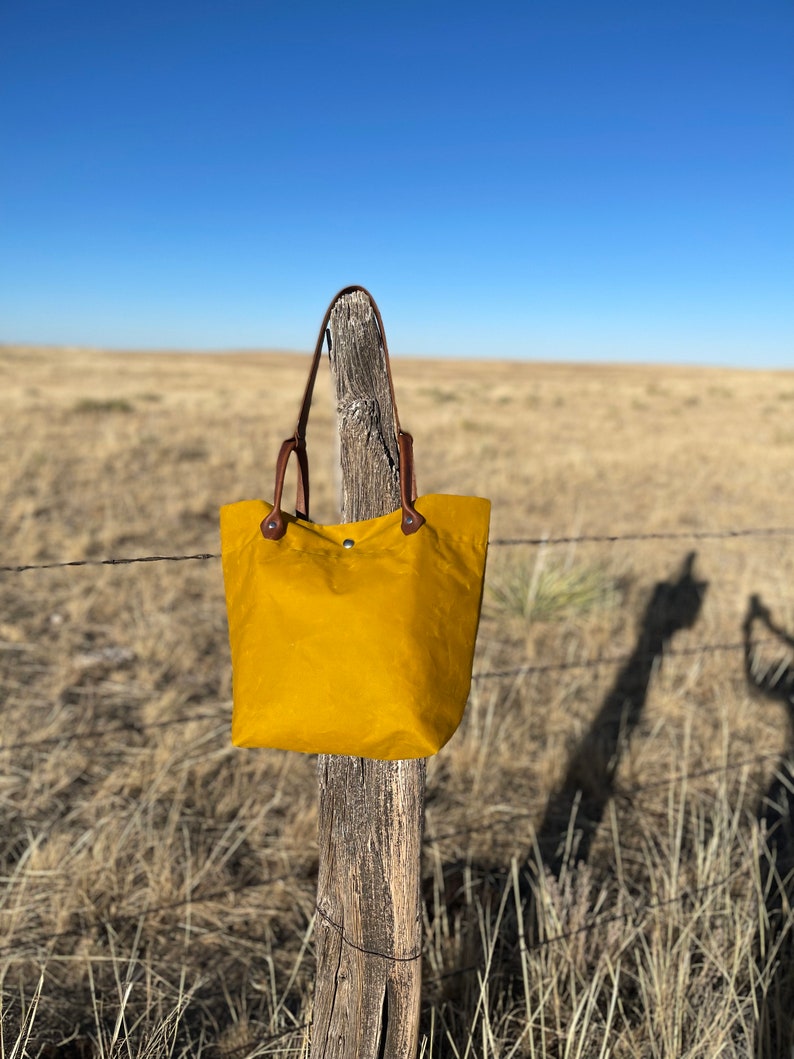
(550, 592)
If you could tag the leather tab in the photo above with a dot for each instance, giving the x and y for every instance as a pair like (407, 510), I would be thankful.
(411, 520)
(272, 526)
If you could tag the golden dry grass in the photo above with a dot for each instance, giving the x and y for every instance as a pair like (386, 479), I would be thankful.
(158, 886)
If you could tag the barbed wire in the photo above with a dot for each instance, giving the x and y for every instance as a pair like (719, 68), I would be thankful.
(499, 542)
(109, 562)
(128, 728)
(680, 535)
(618, 660)
(132, 727)
(622, 794)
(636, 914)
(120, 918)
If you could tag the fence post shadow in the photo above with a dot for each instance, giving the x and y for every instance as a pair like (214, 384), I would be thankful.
(775, 816)
(575, 810)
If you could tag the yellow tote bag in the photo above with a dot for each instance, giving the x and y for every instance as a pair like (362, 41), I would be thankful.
(358, 638)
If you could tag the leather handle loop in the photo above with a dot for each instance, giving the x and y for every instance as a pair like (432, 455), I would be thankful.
(303, 415)
(273, 526)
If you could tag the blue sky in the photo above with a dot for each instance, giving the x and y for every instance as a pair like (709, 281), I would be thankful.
(544, 180)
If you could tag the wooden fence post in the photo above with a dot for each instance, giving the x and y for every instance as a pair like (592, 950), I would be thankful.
(369, 917)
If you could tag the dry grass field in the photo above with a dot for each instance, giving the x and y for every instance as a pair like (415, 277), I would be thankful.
(608, 836)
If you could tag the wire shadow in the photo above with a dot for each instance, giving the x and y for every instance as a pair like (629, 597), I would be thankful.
(775, 941)
(575, 810)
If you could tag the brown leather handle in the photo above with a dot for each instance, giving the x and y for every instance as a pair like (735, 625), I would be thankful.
(273, 526)
(303, 415)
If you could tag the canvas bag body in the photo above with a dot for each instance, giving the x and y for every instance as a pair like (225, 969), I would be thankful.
(365, 650)
(356, 638)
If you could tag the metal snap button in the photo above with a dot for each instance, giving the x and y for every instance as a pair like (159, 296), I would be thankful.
(348, 543)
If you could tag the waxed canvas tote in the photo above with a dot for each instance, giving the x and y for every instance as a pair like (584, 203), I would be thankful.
(356, 638)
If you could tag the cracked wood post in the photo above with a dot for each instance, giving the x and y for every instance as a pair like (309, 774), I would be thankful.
(371, 813)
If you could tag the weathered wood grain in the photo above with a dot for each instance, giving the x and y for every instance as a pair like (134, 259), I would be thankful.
(369, 922)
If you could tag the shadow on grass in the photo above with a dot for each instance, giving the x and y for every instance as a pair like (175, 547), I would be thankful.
(775, 942)
(574, 811)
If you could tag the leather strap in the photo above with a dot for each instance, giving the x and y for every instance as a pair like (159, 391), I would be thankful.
(273, 526)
